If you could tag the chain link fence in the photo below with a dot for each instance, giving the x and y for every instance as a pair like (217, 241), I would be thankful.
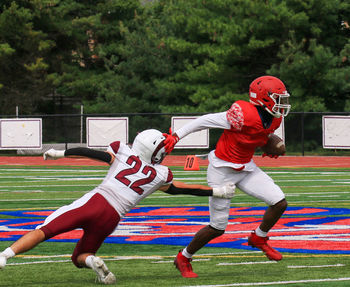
(303, 131)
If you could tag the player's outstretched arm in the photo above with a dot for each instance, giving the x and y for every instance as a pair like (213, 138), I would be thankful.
(214, 120)
(178, 187)
(80, 152)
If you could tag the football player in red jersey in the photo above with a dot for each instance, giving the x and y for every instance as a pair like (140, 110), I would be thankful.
(134, 173)
(246, 126)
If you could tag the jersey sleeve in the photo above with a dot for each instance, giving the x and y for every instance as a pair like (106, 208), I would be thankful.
(170, 177)
(235, 117)
(114, 147)
(216, 120)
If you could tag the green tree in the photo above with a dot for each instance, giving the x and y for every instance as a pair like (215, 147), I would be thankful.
(96, 27)
(220, 47)
(122, 56)
(133, 58)
(315, 58)
(23, 69)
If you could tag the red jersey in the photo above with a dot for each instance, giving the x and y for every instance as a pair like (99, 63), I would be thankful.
(238, 144)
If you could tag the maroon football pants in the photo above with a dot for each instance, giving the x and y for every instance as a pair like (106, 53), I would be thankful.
(96, 217)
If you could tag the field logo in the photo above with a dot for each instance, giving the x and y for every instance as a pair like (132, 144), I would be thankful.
(301, 229)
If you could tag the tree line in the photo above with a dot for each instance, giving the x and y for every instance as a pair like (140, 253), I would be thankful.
(166, 56)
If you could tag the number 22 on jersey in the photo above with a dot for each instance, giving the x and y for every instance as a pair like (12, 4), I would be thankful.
(135, 166)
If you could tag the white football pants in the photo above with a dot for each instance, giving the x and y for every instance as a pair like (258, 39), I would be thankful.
(255, 183)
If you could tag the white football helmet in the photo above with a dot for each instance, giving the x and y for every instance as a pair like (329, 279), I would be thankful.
(149, 146)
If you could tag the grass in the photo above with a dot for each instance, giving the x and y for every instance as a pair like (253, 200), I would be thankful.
(28, 188)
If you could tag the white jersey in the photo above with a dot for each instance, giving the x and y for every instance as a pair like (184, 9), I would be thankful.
(216, 120)
(130, 179)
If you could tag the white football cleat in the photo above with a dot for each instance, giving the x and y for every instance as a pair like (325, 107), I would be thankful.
(2, 262)
(103, 274)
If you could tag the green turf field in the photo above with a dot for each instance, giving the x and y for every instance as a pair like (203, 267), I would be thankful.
(40, 187)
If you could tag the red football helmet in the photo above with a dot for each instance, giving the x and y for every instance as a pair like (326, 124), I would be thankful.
(270, 93)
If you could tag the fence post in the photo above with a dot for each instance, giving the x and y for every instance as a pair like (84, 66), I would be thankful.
(302, 133)
(81, 123)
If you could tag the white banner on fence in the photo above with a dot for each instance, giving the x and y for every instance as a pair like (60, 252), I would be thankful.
(100, 132)
(20, 134)
(336, 132)
(198, 139)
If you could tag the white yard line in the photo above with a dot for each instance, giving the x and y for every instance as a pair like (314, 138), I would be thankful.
(318, 196)
(171, 261)
(317, 193)
(228, 253)
(275, 282)
(315, 266)
(245, 263)
(173, 205)
(151, 257)
(39, 262)
(46, 185)
(19, 170)
(42, 256)
(34, 199)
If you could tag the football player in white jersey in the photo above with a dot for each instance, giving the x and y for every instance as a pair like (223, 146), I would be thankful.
(134, 173)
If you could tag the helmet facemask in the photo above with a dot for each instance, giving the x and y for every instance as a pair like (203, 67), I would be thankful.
(159, 154)
(281, 106)
(270, 93)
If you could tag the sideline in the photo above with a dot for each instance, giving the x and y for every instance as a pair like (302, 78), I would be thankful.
(275, 282)
(179, 160)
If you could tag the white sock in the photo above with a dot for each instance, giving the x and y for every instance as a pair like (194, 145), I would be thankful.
(8, 253)
(186, 254)
(88, 261)
(260, 233)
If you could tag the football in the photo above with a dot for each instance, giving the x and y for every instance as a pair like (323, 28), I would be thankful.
(274, 146)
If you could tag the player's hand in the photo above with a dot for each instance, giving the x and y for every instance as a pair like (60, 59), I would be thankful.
(53, 154)
(226, 191)
(271, 155)
(170, 141)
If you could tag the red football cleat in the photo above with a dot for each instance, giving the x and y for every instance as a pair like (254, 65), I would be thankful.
(261, 243)
(183, 264)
